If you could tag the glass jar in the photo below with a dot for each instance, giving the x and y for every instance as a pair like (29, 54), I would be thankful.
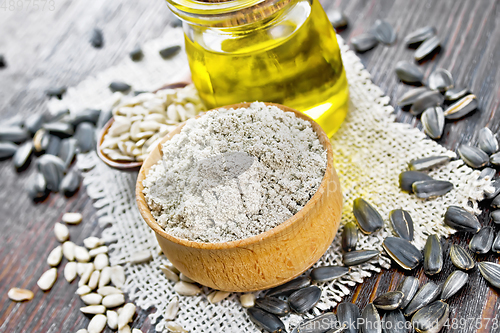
(282, 51)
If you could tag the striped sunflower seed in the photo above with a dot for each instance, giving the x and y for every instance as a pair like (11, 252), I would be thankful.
(419, 36)
(273, 305)
(427, 163)
(371, 320)
(402, 252)
(460, 258)
(473, 156)
(427, 48)
(428, 189)
(328, 273)
(348, 315)
(461, 108)
(265, 320)
(487, 141)
(394, 321)
(364, 42)
(368, 218)
(431, 318)
(384, 32)
(427, 294)
(304, 299)
(453, 284)
(496, 244)
(409, 287)
(487, 173)
(407, 178)
(401, 223)
(461, 220)
(433, 122)
(491, 272)
(349, 237)
(358, 257)
(441, 80)
(455, 93)
(389, 301)
(290, 286)
(326, 321)
(408, 72)
(482, 241)
(495, 159)
(433, 255)
(411, 96)
(495, 216)
(426, 100)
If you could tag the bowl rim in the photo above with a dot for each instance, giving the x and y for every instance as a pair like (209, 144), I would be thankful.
(153, 224)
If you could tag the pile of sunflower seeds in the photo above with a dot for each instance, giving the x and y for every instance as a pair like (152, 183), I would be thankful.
(381, 32)
(142, 121)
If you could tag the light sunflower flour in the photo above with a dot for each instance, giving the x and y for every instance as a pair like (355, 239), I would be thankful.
(232, 174)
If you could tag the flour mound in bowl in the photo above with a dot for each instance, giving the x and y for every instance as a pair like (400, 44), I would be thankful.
(232, 174)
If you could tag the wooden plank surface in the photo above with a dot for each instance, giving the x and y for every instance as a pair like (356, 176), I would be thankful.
(45, 48)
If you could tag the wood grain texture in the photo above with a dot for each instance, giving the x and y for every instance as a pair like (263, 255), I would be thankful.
(45, 49)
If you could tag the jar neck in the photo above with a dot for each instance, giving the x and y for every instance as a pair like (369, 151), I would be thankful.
(233, 13)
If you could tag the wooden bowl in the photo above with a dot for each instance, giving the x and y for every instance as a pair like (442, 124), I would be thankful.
(265, 260)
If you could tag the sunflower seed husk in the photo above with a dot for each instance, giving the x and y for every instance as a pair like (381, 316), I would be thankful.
(98, 250)
(89, 269)
(491, 272)
(364, 42)
(495, 159)
(91, 299)
(384, 32)
(349, 237)
(408, 72)
(394, 322)
(328, 273)
(404, 253)
(427, 294)
(20, 295)
(93, 309)
(108, 290)
(441, 80)
(140, 257)
(358, 257)
(113, 300)
(101, 260)
(455, 281)
(119, 86)
(411, 96)
(82, 254)
(408, 287)
(55, 256)
(402, 223)
(169, 274)
(461, 220)
(427, 48)
(266, 321)
(482, 241)
(118, 276)
(427, 189)
(186, 288)
(7, 149)
(85, 136)
(338, 19)
(371, 320)
(70, 183)
(83, 290)
(68, 249)
(488, 173)
(455, 93)
(426, 100)
(112, 318)
(92, 242)
(273, 305)
(461, 108)
(389, 301)
(433, 255)
(368, 218)
(460, 258)
(61, 231)
(433, 122)
(172, 309)
(96, 39)
(487, 141)
(304, 299)
(247, 300)
(431, 318)
(47, 280)
(70, 271)
(22, 155)
(348, 315)
(496, 244)
(13, 134)
(289, 287)
(170, 51)
(419, 36)
(326, 322)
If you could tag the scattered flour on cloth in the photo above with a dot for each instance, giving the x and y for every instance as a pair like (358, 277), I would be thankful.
(232, 174)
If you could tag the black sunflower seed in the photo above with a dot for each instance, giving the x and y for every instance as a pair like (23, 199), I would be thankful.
(371, 320)
(13, 134)
(404, 253)
(60, 129)
(273, 305)
(487, 173)
(408, 72)
(3, 62)
(84, 136)
(455, 93)
(88, 115)
(266, 320)
(136, 54)
(433, 122)
(487, 141)
(496, 202)
(37, 187)
(70, 183)
(491, 272)
(461, 220)
(433, 255)
(391, 300)
(96, 39)
(384, 32)
(326, 322)
(427, 48)
(22, 156)
(427, 163)
(431, 318)
(411, 96)
(34, 122)
(53, 145)
(394, 322)
(427, 294)
(419, 36)
(169, 51)
(441, 80)
(349, 237)
(426, 100)
(495, 159)
(119, 86)
(408, 287)
(364, 42)
(348, 315)
(401, 223)
(367, 217)
(460, 258)
(496, 244)
(52, 168)
(473, 156)
(358, 257)
(338, 19)
(56, 92)
(328, 273)
(496, 190)
(67, 150)
(427, 189)
(407, 178)
(7, 149)
(461, 108)
(482, 241)
(289, 287)
(304, 299)
(455, 281)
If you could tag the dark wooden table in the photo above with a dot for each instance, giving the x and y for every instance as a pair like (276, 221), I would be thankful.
(49, 47)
